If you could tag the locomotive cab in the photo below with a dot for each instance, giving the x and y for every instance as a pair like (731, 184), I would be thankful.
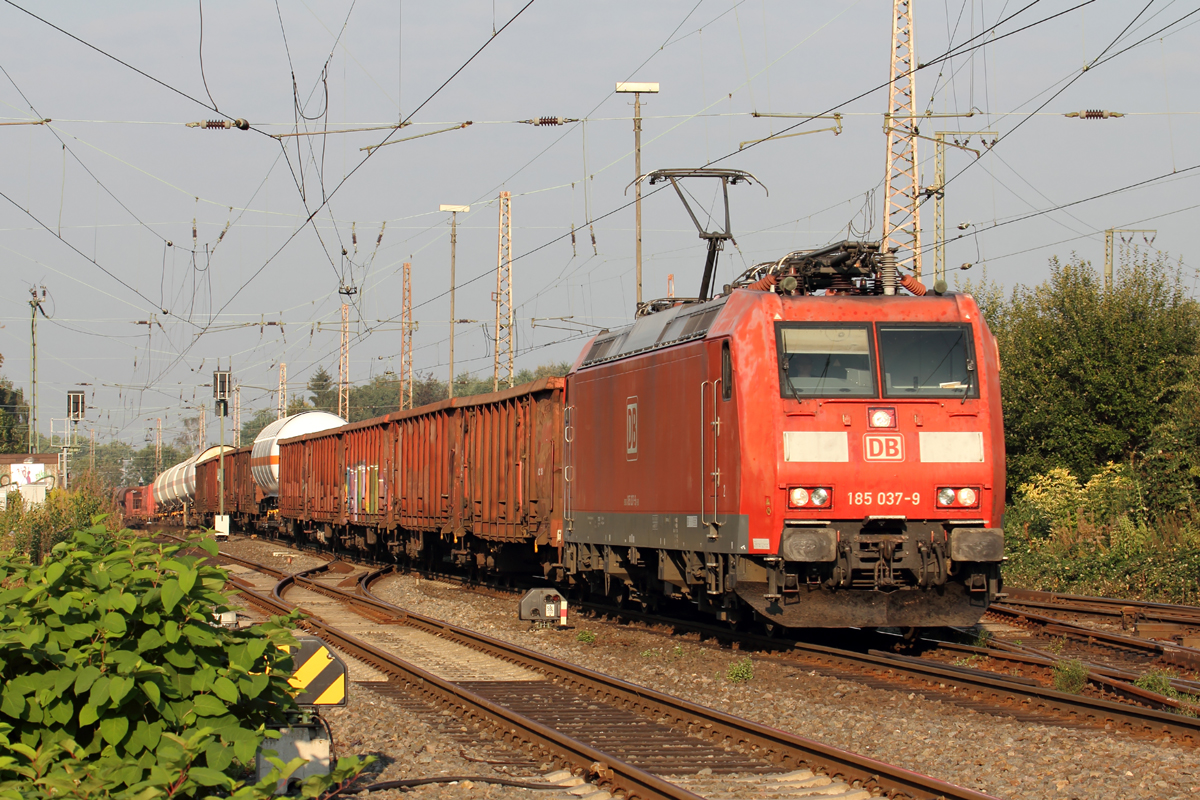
(887, 483)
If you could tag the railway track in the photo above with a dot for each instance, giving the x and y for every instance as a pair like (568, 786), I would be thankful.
(1162, 621)
(1021, 696)
(1009, 677)
(624, 737)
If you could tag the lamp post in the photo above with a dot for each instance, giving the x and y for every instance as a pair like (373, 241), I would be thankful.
(453, 242)
(636, 89)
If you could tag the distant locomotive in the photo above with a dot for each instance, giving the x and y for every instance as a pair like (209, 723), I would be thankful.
(807, 449)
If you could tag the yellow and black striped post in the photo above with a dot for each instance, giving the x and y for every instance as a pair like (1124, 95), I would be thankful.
(318, 673)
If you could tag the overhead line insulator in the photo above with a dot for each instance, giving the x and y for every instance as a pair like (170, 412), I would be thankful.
(1094, 113)
(220, 124)
(542, 122)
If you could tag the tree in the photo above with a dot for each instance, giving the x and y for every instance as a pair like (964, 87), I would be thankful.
(14, 418)
(324, 390)
(1085, 369)
(380, 396)
(253, 426)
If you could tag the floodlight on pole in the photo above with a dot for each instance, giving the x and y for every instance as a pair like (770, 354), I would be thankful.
(637, 90)
(454, 212)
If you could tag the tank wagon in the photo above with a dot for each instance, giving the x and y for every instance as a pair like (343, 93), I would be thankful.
(811, 448)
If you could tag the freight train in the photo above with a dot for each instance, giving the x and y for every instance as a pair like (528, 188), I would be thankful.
(812, 447)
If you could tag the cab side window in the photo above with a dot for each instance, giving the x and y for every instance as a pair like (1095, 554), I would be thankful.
(726, 372)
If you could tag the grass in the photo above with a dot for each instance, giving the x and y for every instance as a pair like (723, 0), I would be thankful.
(1070, 675)
(587, 637)
(740, 671)
(1159, 682)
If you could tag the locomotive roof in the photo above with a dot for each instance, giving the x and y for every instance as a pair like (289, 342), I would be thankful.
(671, 326)
(686, 322)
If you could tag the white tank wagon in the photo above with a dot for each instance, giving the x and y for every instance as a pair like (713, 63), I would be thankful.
(176, 486)
(264, 457)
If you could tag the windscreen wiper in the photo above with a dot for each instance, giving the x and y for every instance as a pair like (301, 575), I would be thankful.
(970, 380)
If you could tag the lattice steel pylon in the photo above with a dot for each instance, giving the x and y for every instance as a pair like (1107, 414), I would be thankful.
(406, 341)
(504, 307)
(202, 434)
(901, 210)
(282, 390)
(158, 447)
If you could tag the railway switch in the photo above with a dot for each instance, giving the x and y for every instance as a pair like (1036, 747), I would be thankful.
(544, 608)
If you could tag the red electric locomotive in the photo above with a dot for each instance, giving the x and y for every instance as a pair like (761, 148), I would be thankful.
(825, 460)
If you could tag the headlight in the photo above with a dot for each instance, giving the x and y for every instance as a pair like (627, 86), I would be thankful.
(819, 497)
(958, 496)
(881, 417)
(798, 497)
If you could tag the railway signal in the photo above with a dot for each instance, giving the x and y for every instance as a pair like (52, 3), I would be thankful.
(221, 382)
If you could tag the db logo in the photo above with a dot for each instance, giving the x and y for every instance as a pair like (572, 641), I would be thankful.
(883, 447)
(631, 429)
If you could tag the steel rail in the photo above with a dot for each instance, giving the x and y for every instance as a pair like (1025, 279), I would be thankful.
(1077, 707)
(1186, 657)
(603, 769)
(992, 685)
(787, 750)
(1104, 606)
(777, 746)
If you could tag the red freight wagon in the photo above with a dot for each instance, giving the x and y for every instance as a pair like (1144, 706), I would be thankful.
(369, 452)
(241, 492)
(207, 500)
(511, 463)
(428, 441)
(487, 467)
(312, 480)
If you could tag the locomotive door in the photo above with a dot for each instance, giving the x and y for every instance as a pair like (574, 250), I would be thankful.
(715, 392)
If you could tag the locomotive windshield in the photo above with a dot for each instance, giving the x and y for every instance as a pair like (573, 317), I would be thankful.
(825, 361)
(928, 361)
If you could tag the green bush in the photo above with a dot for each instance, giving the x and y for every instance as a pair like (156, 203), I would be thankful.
(740, 671)
(35, 530)
(587, 637)
(1070, 675)
(116, 682)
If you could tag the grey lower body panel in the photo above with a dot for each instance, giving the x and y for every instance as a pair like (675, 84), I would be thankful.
(951, 604)
(661, 531)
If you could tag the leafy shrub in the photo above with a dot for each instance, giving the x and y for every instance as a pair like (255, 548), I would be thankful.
(117, 683)
(35, 530)
(1159, 682)
(1070, 675)
(587, 637)
(740, 671)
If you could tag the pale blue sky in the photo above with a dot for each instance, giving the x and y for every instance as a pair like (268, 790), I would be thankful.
(717, 61)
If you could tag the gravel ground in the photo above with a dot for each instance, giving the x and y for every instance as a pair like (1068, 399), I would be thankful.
(272, 553)
(986, 753)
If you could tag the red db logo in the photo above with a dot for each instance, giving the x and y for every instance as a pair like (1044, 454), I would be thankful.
(883, 447)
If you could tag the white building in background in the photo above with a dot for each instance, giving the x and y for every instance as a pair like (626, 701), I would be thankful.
(31, 476)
